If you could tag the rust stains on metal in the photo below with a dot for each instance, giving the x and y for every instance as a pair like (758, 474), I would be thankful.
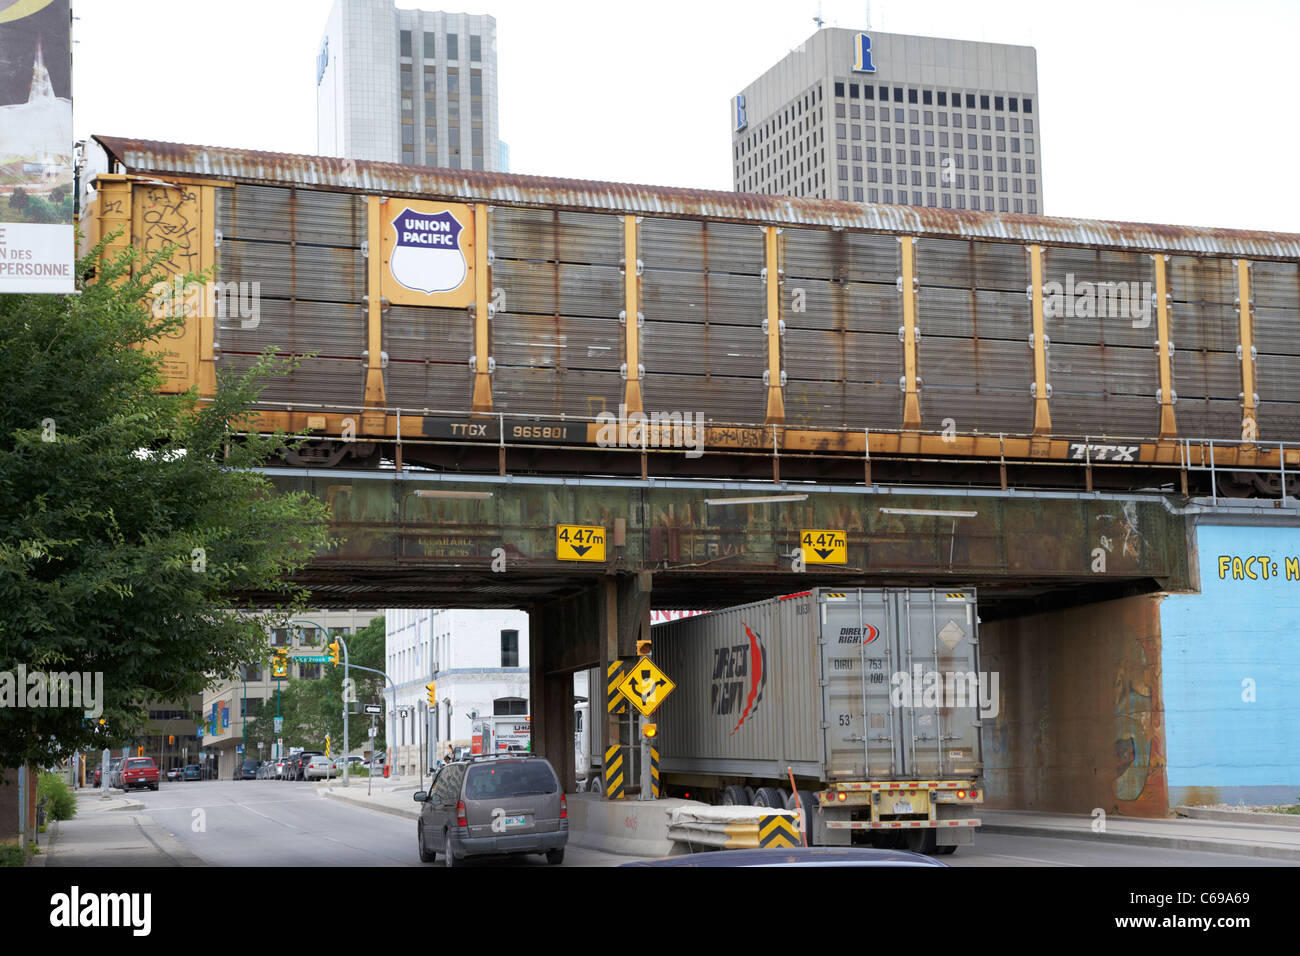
(338, 174)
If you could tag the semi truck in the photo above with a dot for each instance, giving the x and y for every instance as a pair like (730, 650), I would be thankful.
(501, 734)
(865, 702)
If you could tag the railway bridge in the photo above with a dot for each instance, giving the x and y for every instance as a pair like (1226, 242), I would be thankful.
(1050, 410)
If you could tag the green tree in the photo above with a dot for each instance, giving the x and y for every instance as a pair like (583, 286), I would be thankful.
(313, 707)
(129, 519)
(18, 198)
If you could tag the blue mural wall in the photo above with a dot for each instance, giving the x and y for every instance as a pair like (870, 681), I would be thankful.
(1231, 667)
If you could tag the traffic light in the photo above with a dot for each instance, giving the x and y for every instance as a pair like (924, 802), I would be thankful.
(643, 648)
(171, 739)
(431, 694)
(649, 731)
(334, 653)
(139, 751)
(280, 666)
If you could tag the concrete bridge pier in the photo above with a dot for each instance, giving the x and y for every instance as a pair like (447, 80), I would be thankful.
(598, 624)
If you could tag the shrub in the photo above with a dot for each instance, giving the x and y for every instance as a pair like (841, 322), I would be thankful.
(57, 799)
(11, 854)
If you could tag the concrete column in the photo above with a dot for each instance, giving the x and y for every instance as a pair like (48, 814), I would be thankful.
(550, 694)
(599, 624)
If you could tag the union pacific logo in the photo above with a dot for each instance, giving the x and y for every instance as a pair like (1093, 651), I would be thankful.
(739, 678)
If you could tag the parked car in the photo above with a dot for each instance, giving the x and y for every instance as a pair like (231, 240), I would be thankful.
(319, 767)
(193, 772)
(139, 772)
(491, 805)
(175, 773)
(298, 764)
(280, 766)
(248, 770)
(98, 776)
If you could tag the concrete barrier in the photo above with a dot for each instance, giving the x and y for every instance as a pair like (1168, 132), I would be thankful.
(632, 827)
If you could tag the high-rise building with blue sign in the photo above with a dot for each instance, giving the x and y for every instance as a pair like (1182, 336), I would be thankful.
(876, 117)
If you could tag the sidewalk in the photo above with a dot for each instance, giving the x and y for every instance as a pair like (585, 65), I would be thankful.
(98, 836)
(1262, 840)
(391, 795)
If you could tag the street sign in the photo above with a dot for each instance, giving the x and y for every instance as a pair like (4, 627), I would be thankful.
(824, 547)
(575, 542)
(646, 686)
(313, 658)
(374, 709)
(403, 713)
(279, 724)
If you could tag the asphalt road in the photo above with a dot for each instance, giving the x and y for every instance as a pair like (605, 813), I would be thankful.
(273, 823)
(270, 823)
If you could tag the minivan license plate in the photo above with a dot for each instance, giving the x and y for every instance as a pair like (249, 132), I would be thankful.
(516, 821)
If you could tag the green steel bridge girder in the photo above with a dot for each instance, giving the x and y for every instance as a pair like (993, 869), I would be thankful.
(981, 539)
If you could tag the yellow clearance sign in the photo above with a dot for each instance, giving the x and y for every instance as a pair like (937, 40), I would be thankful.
(428, 252)
(824, 547)
(646, 686)
(575, 542)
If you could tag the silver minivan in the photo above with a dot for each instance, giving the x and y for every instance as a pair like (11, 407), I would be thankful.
(490, 805)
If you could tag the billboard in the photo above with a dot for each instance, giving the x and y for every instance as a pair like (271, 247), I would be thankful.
(36, 152)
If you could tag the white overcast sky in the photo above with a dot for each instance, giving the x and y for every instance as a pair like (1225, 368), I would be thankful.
(1166, 111)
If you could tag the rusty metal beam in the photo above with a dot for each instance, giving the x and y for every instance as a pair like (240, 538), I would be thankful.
(720, 554)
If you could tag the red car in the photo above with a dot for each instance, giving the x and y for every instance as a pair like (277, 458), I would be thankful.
(139, 772)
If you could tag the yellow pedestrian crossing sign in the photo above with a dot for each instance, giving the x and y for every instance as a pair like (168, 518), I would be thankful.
(646, 686)
(575, 542)
(824, 547)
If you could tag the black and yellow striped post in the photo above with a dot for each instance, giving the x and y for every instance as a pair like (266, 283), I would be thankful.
(615, 702)
(654, 773)
(777, 831)
(614, 773)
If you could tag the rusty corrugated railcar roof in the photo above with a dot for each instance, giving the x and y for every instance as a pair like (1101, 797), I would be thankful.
(507, 189)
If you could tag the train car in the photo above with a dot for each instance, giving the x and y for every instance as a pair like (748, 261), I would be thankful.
(478, 321)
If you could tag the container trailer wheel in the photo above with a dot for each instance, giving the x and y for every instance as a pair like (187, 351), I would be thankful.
(770, 797)
(922, 841)
(735, 796)
(946, 850)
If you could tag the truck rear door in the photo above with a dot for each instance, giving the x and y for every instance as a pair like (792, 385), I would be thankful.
(899, 681)
(858, 657)
(939, 712)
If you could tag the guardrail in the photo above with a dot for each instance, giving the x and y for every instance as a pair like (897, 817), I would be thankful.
(733, 828)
